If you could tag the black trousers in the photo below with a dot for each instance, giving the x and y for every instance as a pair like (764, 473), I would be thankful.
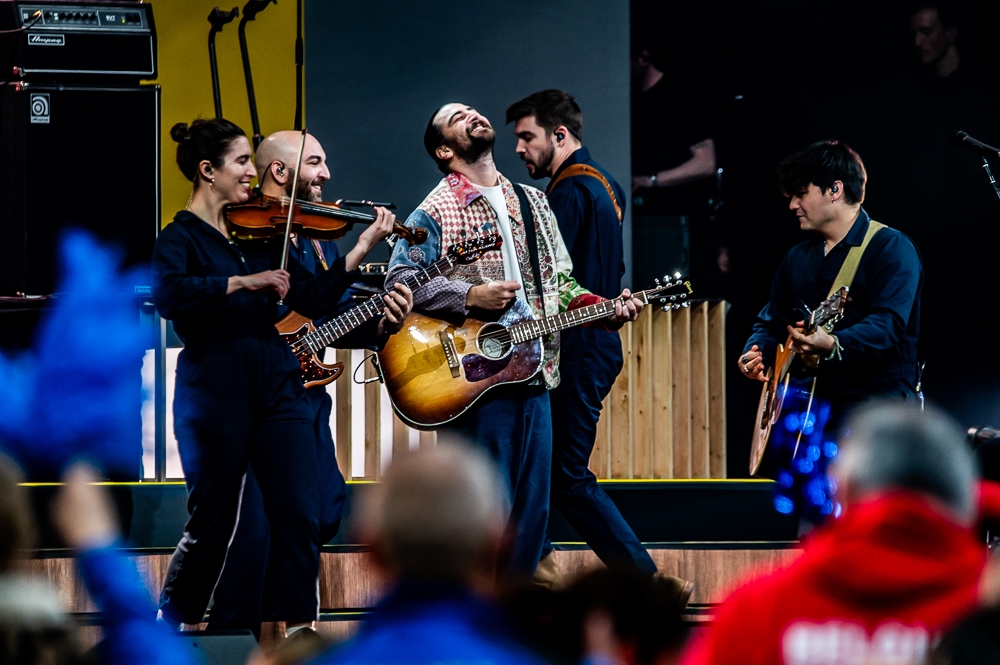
(238, 405)
(244, 595)
(590, 361)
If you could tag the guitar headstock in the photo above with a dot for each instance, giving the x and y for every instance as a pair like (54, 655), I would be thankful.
(830, 311)
(670, 292)
(471, 251)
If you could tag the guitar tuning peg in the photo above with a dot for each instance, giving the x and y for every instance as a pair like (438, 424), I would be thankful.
(656, 280)
(677, 275)
(685, 304)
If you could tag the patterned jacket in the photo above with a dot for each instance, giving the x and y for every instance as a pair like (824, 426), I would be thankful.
(456, 211)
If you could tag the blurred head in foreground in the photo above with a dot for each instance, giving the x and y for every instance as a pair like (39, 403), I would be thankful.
(893, 446)
(34, 628)
(438, 515)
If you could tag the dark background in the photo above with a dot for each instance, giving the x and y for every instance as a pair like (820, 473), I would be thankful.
(785, 74)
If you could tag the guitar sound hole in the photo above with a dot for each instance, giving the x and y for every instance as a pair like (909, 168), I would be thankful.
(494, 341)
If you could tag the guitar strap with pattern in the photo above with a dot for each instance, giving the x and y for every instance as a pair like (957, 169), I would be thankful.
(585, 169)
(528, 219)
(850, 267)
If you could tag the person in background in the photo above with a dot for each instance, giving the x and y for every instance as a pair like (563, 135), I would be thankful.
(880, 584)
(675, 165)
(935, 36)
(436, 525)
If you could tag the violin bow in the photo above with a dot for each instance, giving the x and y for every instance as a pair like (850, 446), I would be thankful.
(291, 203)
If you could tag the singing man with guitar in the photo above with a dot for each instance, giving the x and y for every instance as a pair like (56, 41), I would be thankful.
(511, 421)
(872, 351)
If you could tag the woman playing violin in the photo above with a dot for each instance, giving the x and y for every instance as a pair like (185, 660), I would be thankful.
(239, 401)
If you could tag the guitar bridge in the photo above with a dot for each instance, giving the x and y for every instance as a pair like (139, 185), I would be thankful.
(450, 353)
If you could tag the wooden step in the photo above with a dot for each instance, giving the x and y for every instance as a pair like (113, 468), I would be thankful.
(350, 580)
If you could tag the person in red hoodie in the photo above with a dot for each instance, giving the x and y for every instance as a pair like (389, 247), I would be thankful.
(882, 582)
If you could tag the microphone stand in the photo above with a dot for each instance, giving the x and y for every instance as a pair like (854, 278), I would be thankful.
(989, 174)
(250, 11)
(299, 62)
(218, 18)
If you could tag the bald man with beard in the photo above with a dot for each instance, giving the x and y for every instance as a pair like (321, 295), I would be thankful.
(242, 592)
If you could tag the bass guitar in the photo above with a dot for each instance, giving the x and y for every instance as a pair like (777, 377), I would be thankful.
(785, 394)
(308, 341)
(436, 369)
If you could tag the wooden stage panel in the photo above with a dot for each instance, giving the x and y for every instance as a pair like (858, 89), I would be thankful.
(350, 580)
(714, 572)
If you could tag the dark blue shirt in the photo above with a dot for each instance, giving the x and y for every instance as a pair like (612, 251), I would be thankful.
(432, 623)
(589, 226)
(881, 323)
(192, 264)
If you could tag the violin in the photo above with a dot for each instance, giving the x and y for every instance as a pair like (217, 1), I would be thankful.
(266, 217)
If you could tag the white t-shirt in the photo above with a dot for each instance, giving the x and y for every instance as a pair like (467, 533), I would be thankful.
(511, 267)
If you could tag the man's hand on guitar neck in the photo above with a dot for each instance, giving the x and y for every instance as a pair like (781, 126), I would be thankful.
(627, 308)
(398, 305)
(820, 343)
(752, 364)
(492, 296)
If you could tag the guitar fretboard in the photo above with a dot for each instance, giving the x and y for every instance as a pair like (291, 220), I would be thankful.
(332, 330)
(522, 332)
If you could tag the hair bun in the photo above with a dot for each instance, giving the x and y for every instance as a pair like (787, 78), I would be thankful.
(180, 132)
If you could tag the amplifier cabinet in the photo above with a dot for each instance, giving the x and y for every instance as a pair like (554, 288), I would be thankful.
(76, 156)
(70, 41)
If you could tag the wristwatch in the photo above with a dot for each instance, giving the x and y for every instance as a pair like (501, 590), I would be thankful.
(652, 180)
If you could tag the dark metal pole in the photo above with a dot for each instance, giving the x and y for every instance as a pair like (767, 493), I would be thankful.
(299, 62)
(160, 401)
(218, 18)
(989, 174)
(250, 11)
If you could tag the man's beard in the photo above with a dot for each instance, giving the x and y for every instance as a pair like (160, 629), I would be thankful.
(478, 146)
(543, 165)
(305, 189)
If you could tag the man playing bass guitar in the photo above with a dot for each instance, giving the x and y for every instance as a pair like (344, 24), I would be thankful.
(873, 350)
(512, 422)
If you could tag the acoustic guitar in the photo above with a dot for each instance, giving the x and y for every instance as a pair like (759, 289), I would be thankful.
(786, 394)
(436, 369)
(308, 341)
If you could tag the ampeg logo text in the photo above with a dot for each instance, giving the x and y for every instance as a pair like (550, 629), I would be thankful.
(40, 108)
(47, 40)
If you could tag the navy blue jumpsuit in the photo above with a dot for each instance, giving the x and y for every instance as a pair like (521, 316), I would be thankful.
(246, 588)
(239, 403)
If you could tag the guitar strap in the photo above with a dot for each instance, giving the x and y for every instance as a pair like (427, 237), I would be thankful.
(319, 253)
(850, 267)
(585, 169)
(528, 219)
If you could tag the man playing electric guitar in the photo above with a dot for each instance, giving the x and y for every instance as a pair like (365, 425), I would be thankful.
(513, 421)
(239, 595)
(873, 350)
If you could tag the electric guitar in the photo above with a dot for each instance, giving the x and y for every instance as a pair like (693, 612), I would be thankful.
(784, 394)
(435, 369)
(308, 341)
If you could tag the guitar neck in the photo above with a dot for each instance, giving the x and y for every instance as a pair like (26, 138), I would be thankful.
(336, 328)
(522, 332)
